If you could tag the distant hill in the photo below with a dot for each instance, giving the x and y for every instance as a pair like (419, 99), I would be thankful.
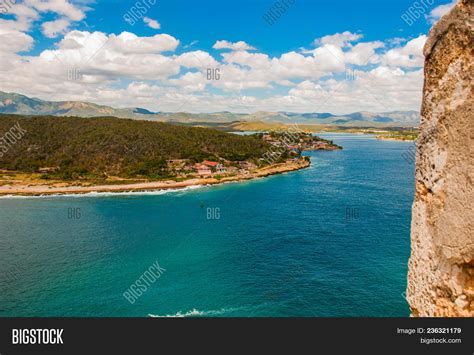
(22, 105)
(359, 119)
(13, 103)
(93, 147)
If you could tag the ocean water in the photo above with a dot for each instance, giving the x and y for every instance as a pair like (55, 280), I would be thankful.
(331, 240)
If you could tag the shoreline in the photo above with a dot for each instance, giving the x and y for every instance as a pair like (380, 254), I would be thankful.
(44, 190)
(396, 139)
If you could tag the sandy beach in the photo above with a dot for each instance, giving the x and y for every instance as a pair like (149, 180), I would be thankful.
(24, 189)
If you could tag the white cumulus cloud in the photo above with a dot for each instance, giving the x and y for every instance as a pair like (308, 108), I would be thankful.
(409, 55)
(440, 11)
(339, 39)
(61, 7)
(53, 29)
(236, 46)
(152, 23)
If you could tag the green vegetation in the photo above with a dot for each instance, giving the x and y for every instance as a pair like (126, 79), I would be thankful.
(93, 148)
(299, 140)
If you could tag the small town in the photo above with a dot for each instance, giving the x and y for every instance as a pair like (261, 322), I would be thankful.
(296, 142)
(207, 168)
(286, 147)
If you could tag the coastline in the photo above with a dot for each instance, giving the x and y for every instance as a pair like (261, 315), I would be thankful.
(41, 190)
(381, 138)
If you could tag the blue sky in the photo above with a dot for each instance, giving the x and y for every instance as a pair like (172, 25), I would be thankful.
(211, 20)
(331, 56)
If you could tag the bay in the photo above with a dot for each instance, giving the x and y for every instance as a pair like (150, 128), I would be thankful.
(330, 240)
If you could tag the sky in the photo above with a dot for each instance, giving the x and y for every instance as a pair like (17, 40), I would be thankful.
(211, 56)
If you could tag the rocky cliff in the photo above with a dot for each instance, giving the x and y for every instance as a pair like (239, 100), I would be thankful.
(441, 266)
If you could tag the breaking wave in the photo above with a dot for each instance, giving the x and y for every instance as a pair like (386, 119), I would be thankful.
(194, 313)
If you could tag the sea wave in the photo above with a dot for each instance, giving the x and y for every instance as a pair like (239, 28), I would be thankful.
(154, 192)
(194, 313)
(109, 194)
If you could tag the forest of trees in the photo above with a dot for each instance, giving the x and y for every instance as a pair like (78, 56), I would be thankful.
(96, 147)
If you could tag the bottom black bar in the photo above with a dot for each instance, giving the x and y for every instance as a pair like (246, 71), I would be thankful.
(287, 335)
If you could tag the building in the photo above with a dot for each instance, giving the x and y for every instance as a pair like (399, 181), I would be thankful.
(202, 170)
(215, 166)
(211, 164)
(221, 169)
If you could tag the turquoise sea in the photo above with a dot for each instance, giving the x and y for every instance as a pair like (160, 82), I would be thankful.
(331, 240)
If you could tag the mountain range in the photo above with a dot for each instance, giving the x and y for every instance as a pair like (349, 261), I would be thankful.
(13, 103)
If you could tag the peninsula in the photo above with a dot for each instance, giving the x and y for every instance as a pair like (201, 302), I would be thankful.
(64, 155)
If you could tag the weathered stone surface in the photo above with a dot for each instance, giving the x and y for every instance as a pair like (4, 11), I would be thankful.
(441, 267)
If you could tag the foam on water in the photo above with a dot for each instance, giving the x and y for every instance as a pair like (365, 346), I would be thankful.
(193, 313)
(109, 194)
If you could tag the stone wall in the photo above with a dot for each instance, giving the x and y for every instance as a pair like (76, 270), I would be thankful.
(441, 267)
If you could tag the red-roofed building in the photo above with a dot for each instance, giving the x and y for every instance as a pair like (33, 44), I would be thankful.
(215, 166)
(212, 164)
(202, 169)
